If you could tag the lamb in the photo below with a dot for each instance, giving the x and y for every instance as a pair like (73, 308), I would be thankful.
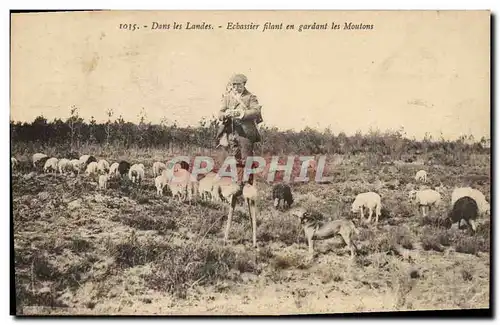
(103, 181)
(160, 184)
(282, 192)
(91, 168)
(103, 166)
(421, 176)
(136, 173)
(50, 164)
(369, 200)
(37, 157)
(425, 198)
(483, 205)
(113, 170)
(465, 208)
(64, 165)
(158, 167)
(123, 167)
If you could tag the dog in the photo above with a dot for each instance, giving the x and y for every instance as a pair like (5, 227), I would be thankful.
(315, 228)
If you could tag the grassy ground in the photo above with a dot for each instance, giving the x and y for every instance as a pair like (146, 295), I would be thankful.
(125, 250)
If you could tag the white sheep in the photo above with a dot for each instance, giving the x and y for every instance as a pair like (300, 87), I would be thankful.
(136, 173)
(182, 185)
(64, 165)
(483, 205)
(77, 166)
(425, 198)
(158, 167)
(421, 176)
(160, 182)
(50, 164)
(206, 186)
(103, 181)
(103, 166)
(36, 157)
(92, 168)
(369, 200)
(113, 170)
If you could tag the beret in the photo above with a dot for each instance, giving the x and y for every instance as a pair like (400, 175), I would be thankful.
(238, 78)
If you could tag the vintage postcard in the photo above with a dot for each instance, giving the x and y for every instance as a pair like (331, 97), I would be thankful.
(250, 162)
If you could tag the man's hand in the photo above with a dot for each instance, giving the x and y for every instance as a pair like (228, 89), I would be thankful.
(236, 113)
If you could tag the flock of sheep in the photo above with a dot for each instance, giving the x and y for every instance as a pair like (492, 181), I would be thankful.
(466, 203)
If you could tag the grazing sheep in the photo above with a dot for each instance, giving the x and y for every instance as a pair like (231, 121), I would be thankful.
(159, 184)
(50, 164)
(369, 200)
(41, 163)
(421, 176)
(123, 167)
(182, 185)
(103, 181)
(37, 157)
(483, 205)
(103, 166)
(465, 208)
(90, 160)
(113, 170)
(282, 193)
(91, 169)
(136, 173)
(64, 165)
(206, 185)
(425, 198)
(158, 168)
(77, 166)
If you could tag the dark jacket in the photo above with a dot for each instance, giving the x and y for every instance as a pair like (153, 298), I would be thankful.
(247, 125)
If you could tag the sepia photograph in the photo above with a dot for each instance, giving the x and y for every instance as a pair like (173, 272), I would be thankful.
(257, 162)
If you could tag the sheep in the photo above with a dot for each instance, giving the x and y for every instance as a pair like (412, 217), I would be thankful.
(369, 200)
(136, 173)
(465, 208)
(77, 166)
(282, 192)
(64, 165)
(159, 184)
(103, 181)
(40, 164)
(421, 176)
(103, 166)
(86, 160)
(37, 157)
(206, 185)
(113, 170)
(92, 168)
(182, 184)
(50, 164)
(123, 167)
(483, 205)
(158, 167)
(425, 198)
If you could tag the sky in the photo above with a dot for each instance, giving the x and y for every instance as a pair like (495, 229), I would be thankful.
(428, 72)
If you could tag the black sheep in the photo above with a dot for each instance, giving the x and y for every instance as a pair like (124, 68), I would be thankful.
(464, 208)
(123, 167)
(282, 192)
